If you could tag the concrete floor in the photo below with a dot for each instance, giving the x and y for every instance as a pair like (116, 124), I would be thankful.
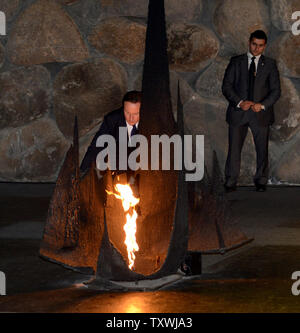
(254, 278)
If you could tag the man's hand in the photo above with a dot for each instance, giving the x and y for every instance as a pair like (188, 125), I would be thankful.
(257, 107)
(246, 105)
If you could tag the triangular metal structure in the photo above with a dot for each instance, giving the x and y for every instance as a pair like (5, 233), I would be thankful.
(84, 227)
(212, 226)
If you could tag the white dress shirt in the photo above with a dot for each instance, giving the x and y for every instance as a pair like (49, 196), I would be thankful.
(129, 129)
(256, 60)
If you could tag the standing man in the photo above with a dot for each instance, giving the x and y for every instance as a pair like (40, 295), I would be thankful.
(251, 85)
(127, 116)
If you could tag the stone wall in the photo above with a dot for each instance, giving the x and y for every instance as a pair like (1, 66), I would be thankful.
(66, 57)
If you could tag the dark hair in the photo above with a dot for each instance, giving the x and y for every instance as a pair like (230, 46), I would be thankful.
(259, 34)
(133, 97)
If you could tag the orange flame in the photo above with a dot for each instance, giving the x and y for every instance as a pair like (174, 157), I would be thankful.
(129, 201)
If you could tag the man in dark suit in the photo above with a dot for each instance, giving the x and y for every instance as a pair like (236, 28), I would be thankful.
(251, 85)
(127, 116)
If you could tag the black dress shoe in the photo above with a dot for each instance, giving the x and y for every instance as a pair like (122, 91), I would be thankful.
(261, 188)
(229, 189)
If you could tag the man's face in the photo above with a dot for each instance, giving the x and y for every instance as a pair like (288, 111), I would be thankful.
(132, 112)
(257, 46)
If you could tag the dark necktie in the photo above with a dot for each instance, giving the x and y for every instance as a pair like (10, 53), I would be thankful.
(251, 79)
(133, 131)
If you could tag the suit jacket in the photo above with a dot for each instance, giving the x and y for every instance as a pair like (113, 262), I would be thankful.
(110, 125)
(266, 89)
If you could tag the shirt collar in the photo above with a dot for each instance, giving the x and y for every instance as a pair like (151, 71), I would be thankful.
(136, 125)
(130, 126)
(250, 55)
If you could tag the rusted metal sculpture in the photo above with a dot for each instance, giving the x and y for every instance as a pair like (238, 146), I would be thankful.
(212, 226)
(84, 228)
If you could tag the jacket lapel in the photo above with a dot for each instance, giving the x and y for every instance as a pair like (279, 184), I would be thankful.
(244, 67)
(260, 66)
(123, 122)
(244, 75)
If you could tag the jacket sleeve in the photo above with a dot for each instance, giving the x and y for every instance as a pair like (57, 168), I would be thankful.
(274, 84)
(228, 84)
(92, 151)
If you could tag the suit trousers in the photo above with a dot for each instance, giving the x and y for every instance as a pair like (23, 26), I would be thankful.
(237, 135)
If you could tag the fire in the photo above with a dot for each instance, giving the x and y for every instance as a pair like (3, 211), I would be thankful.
(129, 201)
